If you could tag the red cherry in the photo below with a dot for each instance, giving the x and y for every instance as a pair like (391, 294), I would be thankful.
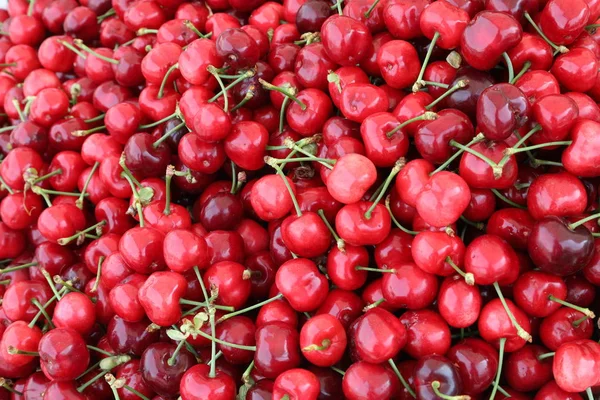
(276, 349)
(560, 194)
(562, 21)
(377, 336)
(323, 340)
(366, 380)
(63, 354)
(350, 178)
(443, 199)
(427, 333)
(345, 40)
(197, 384)
(301, 283)
(75, 311)
(356, 229)
(409, 287)
(232, 282)
(399, 63)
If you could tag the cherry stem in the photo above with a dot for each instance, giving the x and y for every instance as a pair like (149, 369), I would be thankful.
(237, 79)
(338, 240)
(18, 267)
(85, 132)
(436, 84)
(286, 92)
(501, 345)
(401, 378)
(589, 393)
(288, 187)
(545, 355)
(234, 179)
(370, 10)
(509, 66)
(298, 148)
(167, 134)
(397, 168)
(8, 128)
(419, 82)
(525, 68)
(212, 70)
(107, 14)
(252, 307)
(385, 271)
(161, 89)
(339, 371)
(426, 116)
(98, 273)
(14, 351)
(560, 49)
(50, 281)
(338, 5)
(193, 28)
(79, 43)
(584, 220)
(99, 350)
(285, 397)
(127, 172)
(4, 185)
(205, 304)
(477, 225)
(79, 201)
(168, 179)
(49, 175)
(507, 200)
(435, 386)
(5, 282)
(42, 309)
(585, 311)
(315, 347)
(73, 49)
(146, 31)
(4, 385)
(223, 343)
(477, 154)
(160, 121)
(66, 240)
(522, 333)
(459, 85)
(469, 277)
(173, 358)
(374, 304)
(17, 104)
(249, 95)
(284, 105)
(47, 304)
(511, 150)
(398, 224)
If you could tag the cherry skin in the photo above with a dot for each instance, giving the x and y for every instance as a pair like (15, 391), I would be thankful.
(476, 362)
(563, 326)
(350, 178)
(345, 40)
(395, 58)
(17, 299)
(238, 330)
(494, 325)
(20, 336)
(570, 365)
(300, 281)
(409, 287)
(501, 109)
(159, 296)
(513, 225)
(436, 368)
(246, 143)
(197, 384)
(75, 311)
(341, 267)
(312, 66)
(162, 377)
(276, 349)
(554, 17)
(323, 340)
(184, 250)
(270, 198)
(63, 354)
(443, 199)
(427, 333)
(297, 383)
(458, 302)
(525, 372)
(380, 347)
(558, 249)
(497, 263)
(579, 158)
(531, 291)
(310, 118)
(344, 305)
(364, 380)
(296, 229)
(355, 228)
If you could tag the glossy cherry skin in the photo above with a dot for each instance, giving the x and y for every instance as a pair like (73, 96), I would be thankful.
(230, 279)
(196, 384)
(409, 287)
(443, 199)
(560, 194)
(296, 231)
(160, 376)
(487, 36)
(345, 39)
(238, 330)
(341, 267)
(558, 249)
(399, 63)
(531, 291)
(427, 333)
(130, 337)
(458, 302)
(525, 372)
(17, 299)
(436, 368)
(298, 383)
(563, 21)
(580, 157)
(75, 311)
(376, 336)
(312, 66)
(476, 362)
(323, 340)
(346, 306)
(159, 296)
(63, 354)
(246, 143)
(494, 325)
(184, 250)
(574, 363)
(300, 281)
(142, 249)
(16, 163)
(310, 120)
(359, 100)
(356, 229)
(350, 178)
(381, 149)
(277, 349)
(532, 48)
(364, 380)
(558, 328)
(20, 336)
(501, 109)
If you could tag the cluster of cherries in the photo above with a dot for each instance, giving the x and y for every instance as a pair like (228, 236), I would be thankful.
(299, 200)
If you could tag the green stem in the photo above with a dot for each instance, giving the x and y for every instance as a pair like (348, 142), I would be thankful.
(370, 10)
(338, 6)
(161, 89)
(100, 374)
(252, 307)
(286, 92)
(191, 27)
(338, 240)
(98, 273)
(49, 175)
(584, 220)
(585, 311)
(168, 179)
(397, 167)
(459, 85)
(525, 68)
(18, 267)
(426, 116)
(401, 378)
(419, 83)
(73, 49)
(107, 14)
(589, 393)
(384, 271)
(435, 386)
(506, 200)
(395, 221)
(79, 43)
(436, 84)
(499, 370)
(79, 202)
(160, 121)
(4, 185)
(17, 106)
(539, 146)
(560, 49)
(479, 138)
(172, 359)
(509, 65)
(146, 31)
(201, 281)
(201, 304)
(46, 304)
(284, 105)
(98, 350)
(288, 187)
(66, 240)
(477, 225)
(522, 333)
(8, 128)
(468, 276)
(477, 154)
(85, 132)
(545, 356)
(213, 71)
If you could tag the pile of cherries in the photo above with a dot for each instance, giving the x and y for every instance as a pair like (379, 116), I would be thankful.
(299, 199)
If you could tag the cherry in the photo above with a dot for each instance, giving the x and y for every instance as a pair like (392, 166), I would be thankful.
(132, 376)
(409, 287)
(351, 176)
(237, 48)
(554, 16)
(245, 145)
(563, 326)
(578, 63)
(232, 282)
(476, 362)
(576, 160)
(130, 337)
(295, 230)
(501, 109)
(276, 349)
(366, 380)
(75, 311)
(142, 249)
(427, 333)
(19, 335)
(344, 305)
(298, 383)
(349, 48)
(301, 283)
(63, 354)
(308, 115)
(159, 373)
(370, 342)
(458, 302)
(198, 383)
(496, 326)
(443, 199)
(526, 371)
(312, 66)
(356, 229)
(435, 376)
(395, 58)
